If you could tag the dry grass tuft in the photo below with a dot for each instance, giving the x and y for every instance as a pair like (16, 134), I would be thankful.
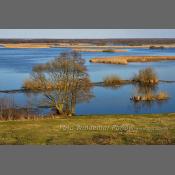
(112, 80)
(112, 60)
(162, 95)
(151, 97)
(146, 76)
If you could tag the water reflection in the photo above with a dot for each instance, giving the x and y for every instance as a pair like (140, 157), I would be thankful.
(145, 89)
(147, 106)
(16, 65)
(145, 97)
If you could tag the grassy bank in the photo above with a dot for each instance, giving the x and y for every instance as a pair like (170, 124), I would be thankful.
(106, 129)
(127, 59)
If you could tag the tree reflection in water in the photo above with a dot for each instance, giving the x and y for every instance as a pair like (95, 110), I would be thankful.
(146, 90)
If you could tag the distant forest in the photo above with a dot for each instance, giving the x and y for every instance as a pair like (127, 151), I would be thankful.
(94, 41)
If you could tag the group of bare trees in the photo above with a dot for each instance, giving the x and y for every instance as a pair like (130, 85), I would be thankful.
(63, 80)
(10, 111)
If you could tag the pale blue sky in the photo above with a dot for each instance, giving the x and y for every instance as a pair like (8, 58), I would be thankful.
(87, 33)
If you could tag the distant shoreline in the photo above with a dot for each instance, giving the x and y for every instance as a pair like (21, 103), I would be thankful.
(89, 44)
(80, 47)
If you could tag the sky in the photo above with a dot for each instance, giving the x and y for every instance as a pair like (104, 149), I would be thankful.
(86, 33)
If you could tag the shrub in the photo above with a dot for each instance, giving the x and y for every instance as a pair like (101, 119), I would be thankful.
(146, 76)
(38, 85)
(148, 97)
(156, 47)
(108, 50)
(162, 95)
(151, 97)
(9, 110)
(112, 80)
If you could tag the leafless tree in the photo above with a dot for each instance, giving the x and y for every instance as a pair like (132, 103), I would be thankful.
(63, 80)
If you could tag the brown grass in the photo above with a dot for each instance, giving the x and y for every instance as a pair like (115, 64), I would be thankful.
(112, 80)
(111, 60)
(151, 97)
(27, 45)
(162, 95)
(127, 59)
(146, 76)
(10, 111)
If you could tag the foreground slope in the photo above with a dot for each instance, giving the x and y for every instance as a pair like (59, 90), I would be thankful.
(106, 129)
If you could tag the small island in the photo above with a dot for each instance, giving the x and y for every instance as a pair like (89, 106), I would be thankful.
(127, 59)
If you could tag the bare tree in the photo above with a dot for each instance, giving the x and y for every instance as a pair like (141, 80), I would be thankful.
(64, 82)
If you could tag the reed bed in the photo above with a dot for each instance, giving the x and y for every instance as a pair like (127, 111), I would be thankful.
(112, 80)
(27, 45)
(151, 97)
(127, 59)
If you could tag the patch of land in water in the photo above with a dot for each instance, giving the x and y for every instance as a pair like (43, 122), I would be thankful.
(95, 129)
(27, 45)
(99, 50)
(127, 59)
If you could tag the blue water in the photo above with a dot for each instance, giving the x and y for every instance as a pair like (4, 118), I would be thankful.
(16, 65)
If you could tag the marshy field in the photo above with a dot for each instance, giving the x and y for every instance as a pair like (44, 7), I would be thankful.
(87, 91)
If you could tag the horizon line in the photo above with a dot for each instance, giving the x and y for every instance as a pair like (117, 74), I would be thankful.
(85, 38)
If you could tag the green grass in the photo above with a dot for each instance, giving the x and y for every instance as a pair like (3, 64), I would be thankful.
(80, 130)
